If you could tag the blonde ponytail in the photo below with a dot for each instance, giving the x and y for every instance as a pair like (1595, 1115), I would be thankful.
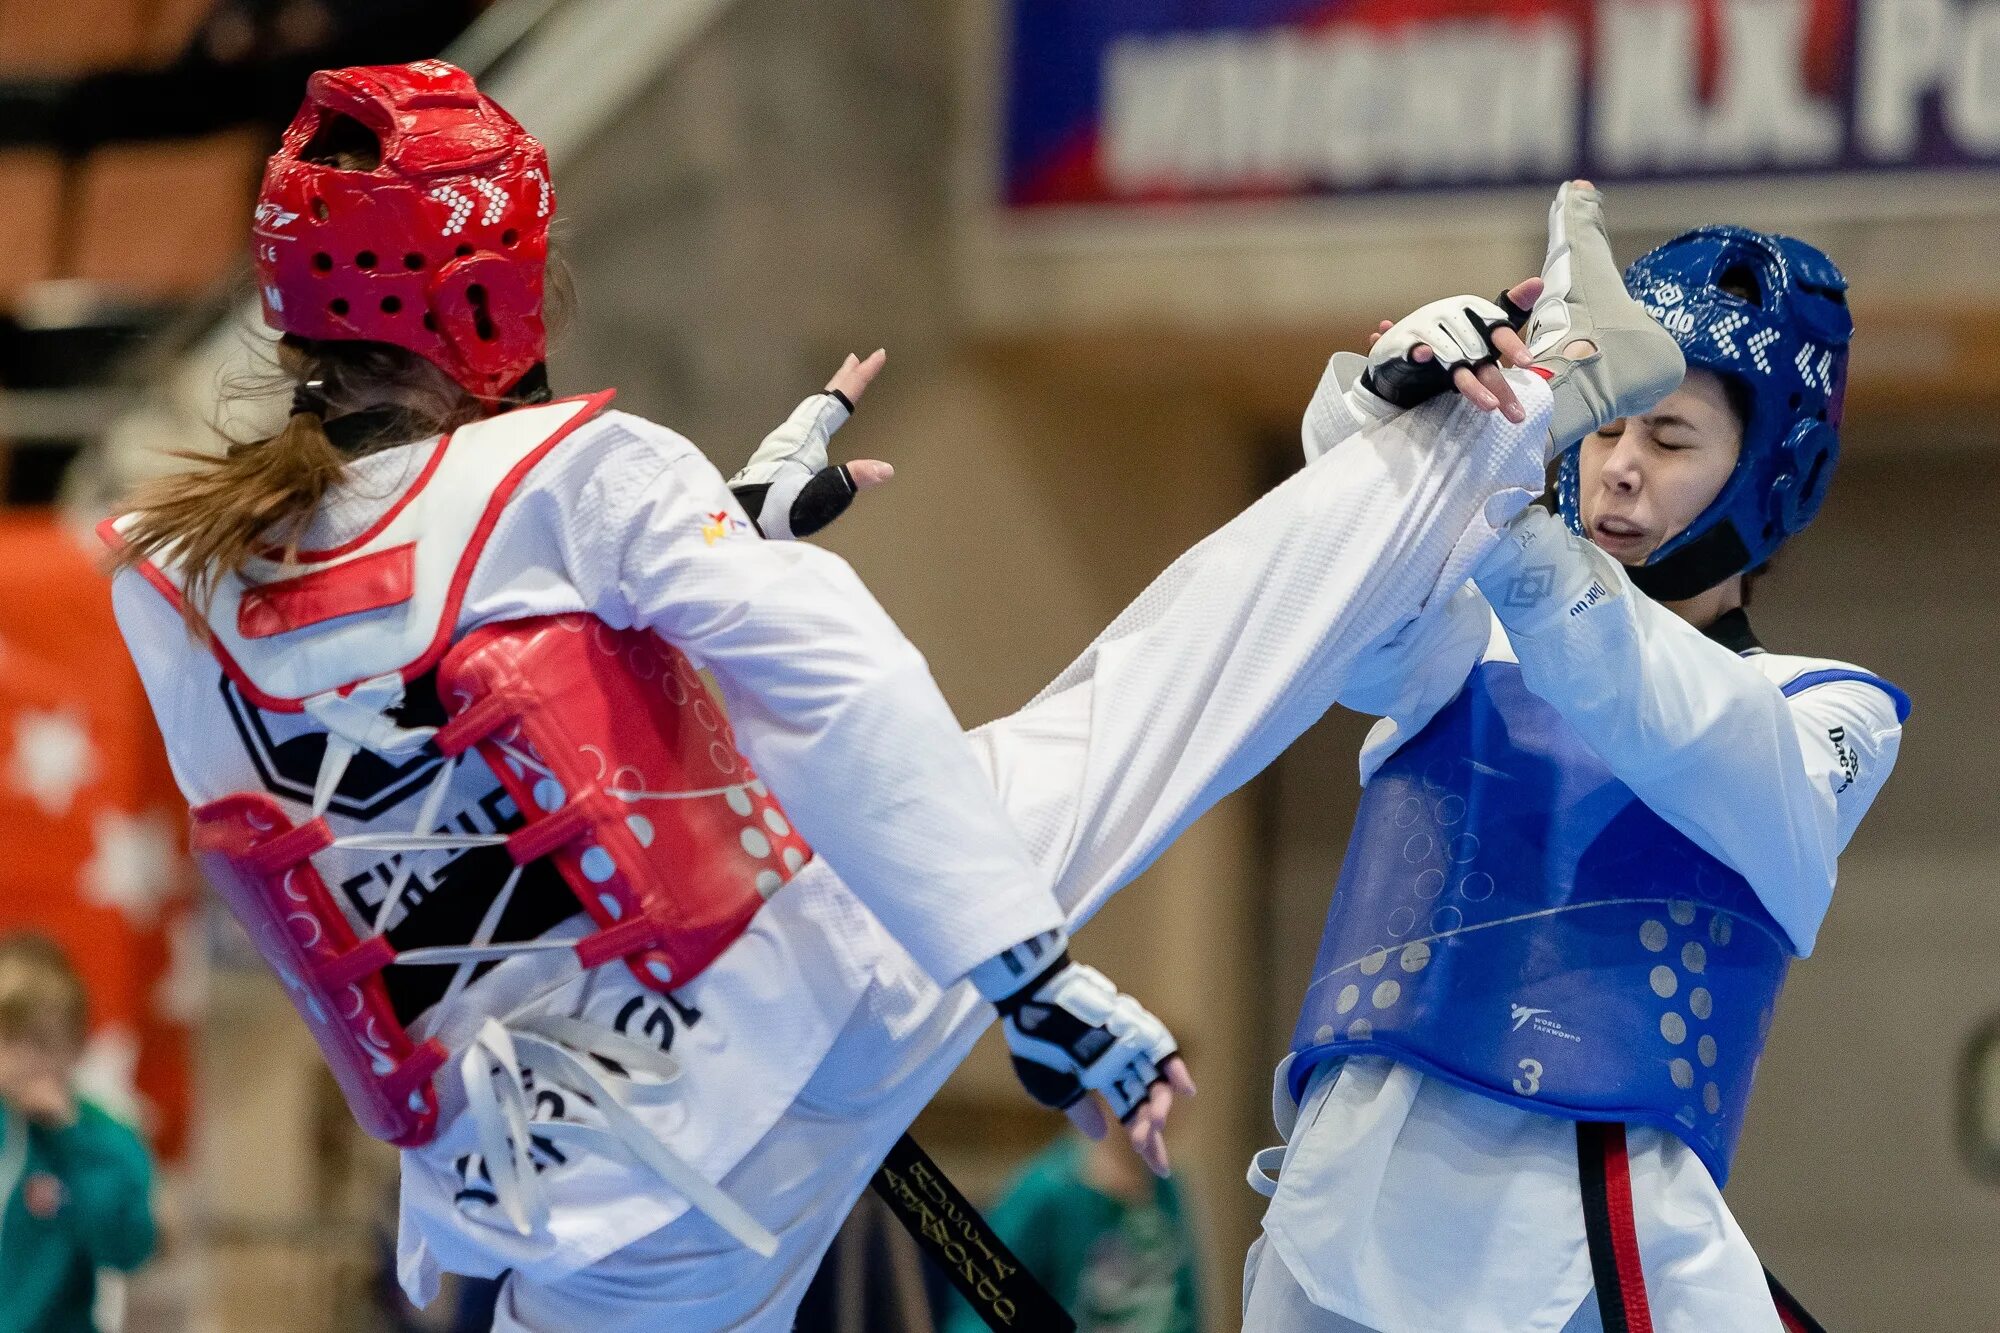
(259, 497)
(224, 510)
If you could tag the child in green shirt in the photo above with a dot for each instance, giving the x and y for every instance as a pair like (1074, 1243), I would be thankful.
(75, 1185)
(1109, 1240)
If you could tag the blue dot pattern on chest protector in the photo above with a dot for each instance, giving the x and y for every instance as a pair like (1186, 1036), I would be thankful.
(1513, 919)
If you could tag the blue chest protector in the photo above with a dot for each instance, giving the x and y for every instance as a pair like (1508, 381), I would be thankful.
(1512, 919)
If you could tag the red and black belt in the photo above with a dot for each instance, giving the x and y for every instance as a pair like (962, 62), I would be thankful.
(1605, 1173)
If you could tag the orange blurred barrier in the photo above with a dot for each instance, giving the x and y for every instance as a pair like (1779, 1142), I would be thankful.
(43, 40)
(31, 191)
(91, 820)
(165, 220)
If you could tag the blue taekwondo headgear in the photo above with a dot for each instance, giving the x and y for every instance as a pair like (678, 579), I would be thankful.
(1786, 344)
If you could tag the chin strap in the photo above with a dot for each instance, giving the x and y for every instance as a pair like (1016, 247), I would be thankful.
(1695, 568)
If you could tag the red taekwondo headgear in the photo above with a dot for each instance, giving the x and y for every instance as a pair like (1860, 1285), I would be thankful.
(439, 249)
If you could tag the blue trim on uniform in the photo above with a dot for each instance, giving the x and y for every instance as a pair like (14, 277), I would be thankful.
(1826, 676)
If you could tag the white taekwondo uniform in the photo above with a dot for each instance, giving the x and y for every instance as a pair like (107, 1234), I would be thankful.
(818, 1035)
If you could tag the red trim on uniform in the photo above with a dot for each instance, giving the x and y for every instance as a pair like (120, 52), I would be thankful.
(594, 403)
(1625, 1231)
(461, 580)
(386, 578)
(1545, 374)
(376, 528)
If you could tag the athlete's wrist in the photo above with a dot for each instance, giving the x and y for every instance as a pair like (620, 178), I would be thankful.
(1017, 970)
(1541, 574)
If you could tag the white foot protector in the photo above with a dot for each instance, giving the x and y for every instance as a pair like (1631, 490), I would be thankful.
(1636, 364)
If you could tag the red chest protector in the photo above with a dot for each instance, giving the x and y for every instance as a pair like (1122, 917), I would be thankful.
(623, 766)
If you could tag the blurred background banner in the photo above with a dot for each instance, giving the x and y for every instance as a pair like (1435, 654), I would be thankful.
(92, 826)
(1150, 101)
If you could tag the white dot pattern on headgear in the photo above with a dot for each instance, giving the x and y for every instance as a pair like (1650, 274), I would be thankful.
(496, 201)
(460, 204)
(1723, 333)
(1816, 374)
(541, 179)
(1759, 341)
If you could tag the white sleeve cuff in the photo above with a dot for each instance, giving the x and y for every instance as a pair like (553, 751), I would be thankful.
(1541, 573)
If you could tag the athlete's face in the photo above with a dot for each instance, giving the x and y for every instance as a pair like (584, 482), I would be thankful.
(1641, 480)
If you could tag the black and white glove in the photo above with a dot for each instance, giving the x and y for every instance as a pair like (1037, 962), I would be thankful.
(1071, 1032)
(787, 487)
(1458, 331)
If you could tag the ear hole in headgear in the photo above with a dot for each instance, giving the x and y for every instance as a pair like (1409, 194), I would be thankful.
(1811, 486)
(345, 143)
(482, 318)
(1740, 281)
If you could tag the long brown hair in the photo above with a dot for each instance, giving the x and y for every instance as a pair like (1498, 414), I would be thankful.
(258, 495)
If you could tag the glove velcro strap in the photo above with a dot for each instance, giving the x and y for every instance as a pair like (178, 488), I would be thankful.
(1145, 1068)
(823, 498)
(1011, 1004)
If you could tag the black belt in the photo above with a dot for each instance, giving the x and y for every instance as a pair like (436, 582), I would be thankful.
(962, 1243)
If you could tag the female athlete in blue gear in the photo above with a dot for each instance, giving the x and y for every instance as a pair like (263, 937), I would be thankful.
(1599, 821)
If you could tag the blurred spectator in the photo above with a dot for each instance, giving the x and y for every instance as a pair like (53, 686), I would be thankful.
(75, 1185)
(1110, 1241)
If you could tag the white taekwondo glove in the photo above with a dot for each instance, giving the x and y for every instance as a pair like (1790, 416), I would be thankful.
(1358, 391)
(787, 487)
(1070, 1030)
(1459, 332)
